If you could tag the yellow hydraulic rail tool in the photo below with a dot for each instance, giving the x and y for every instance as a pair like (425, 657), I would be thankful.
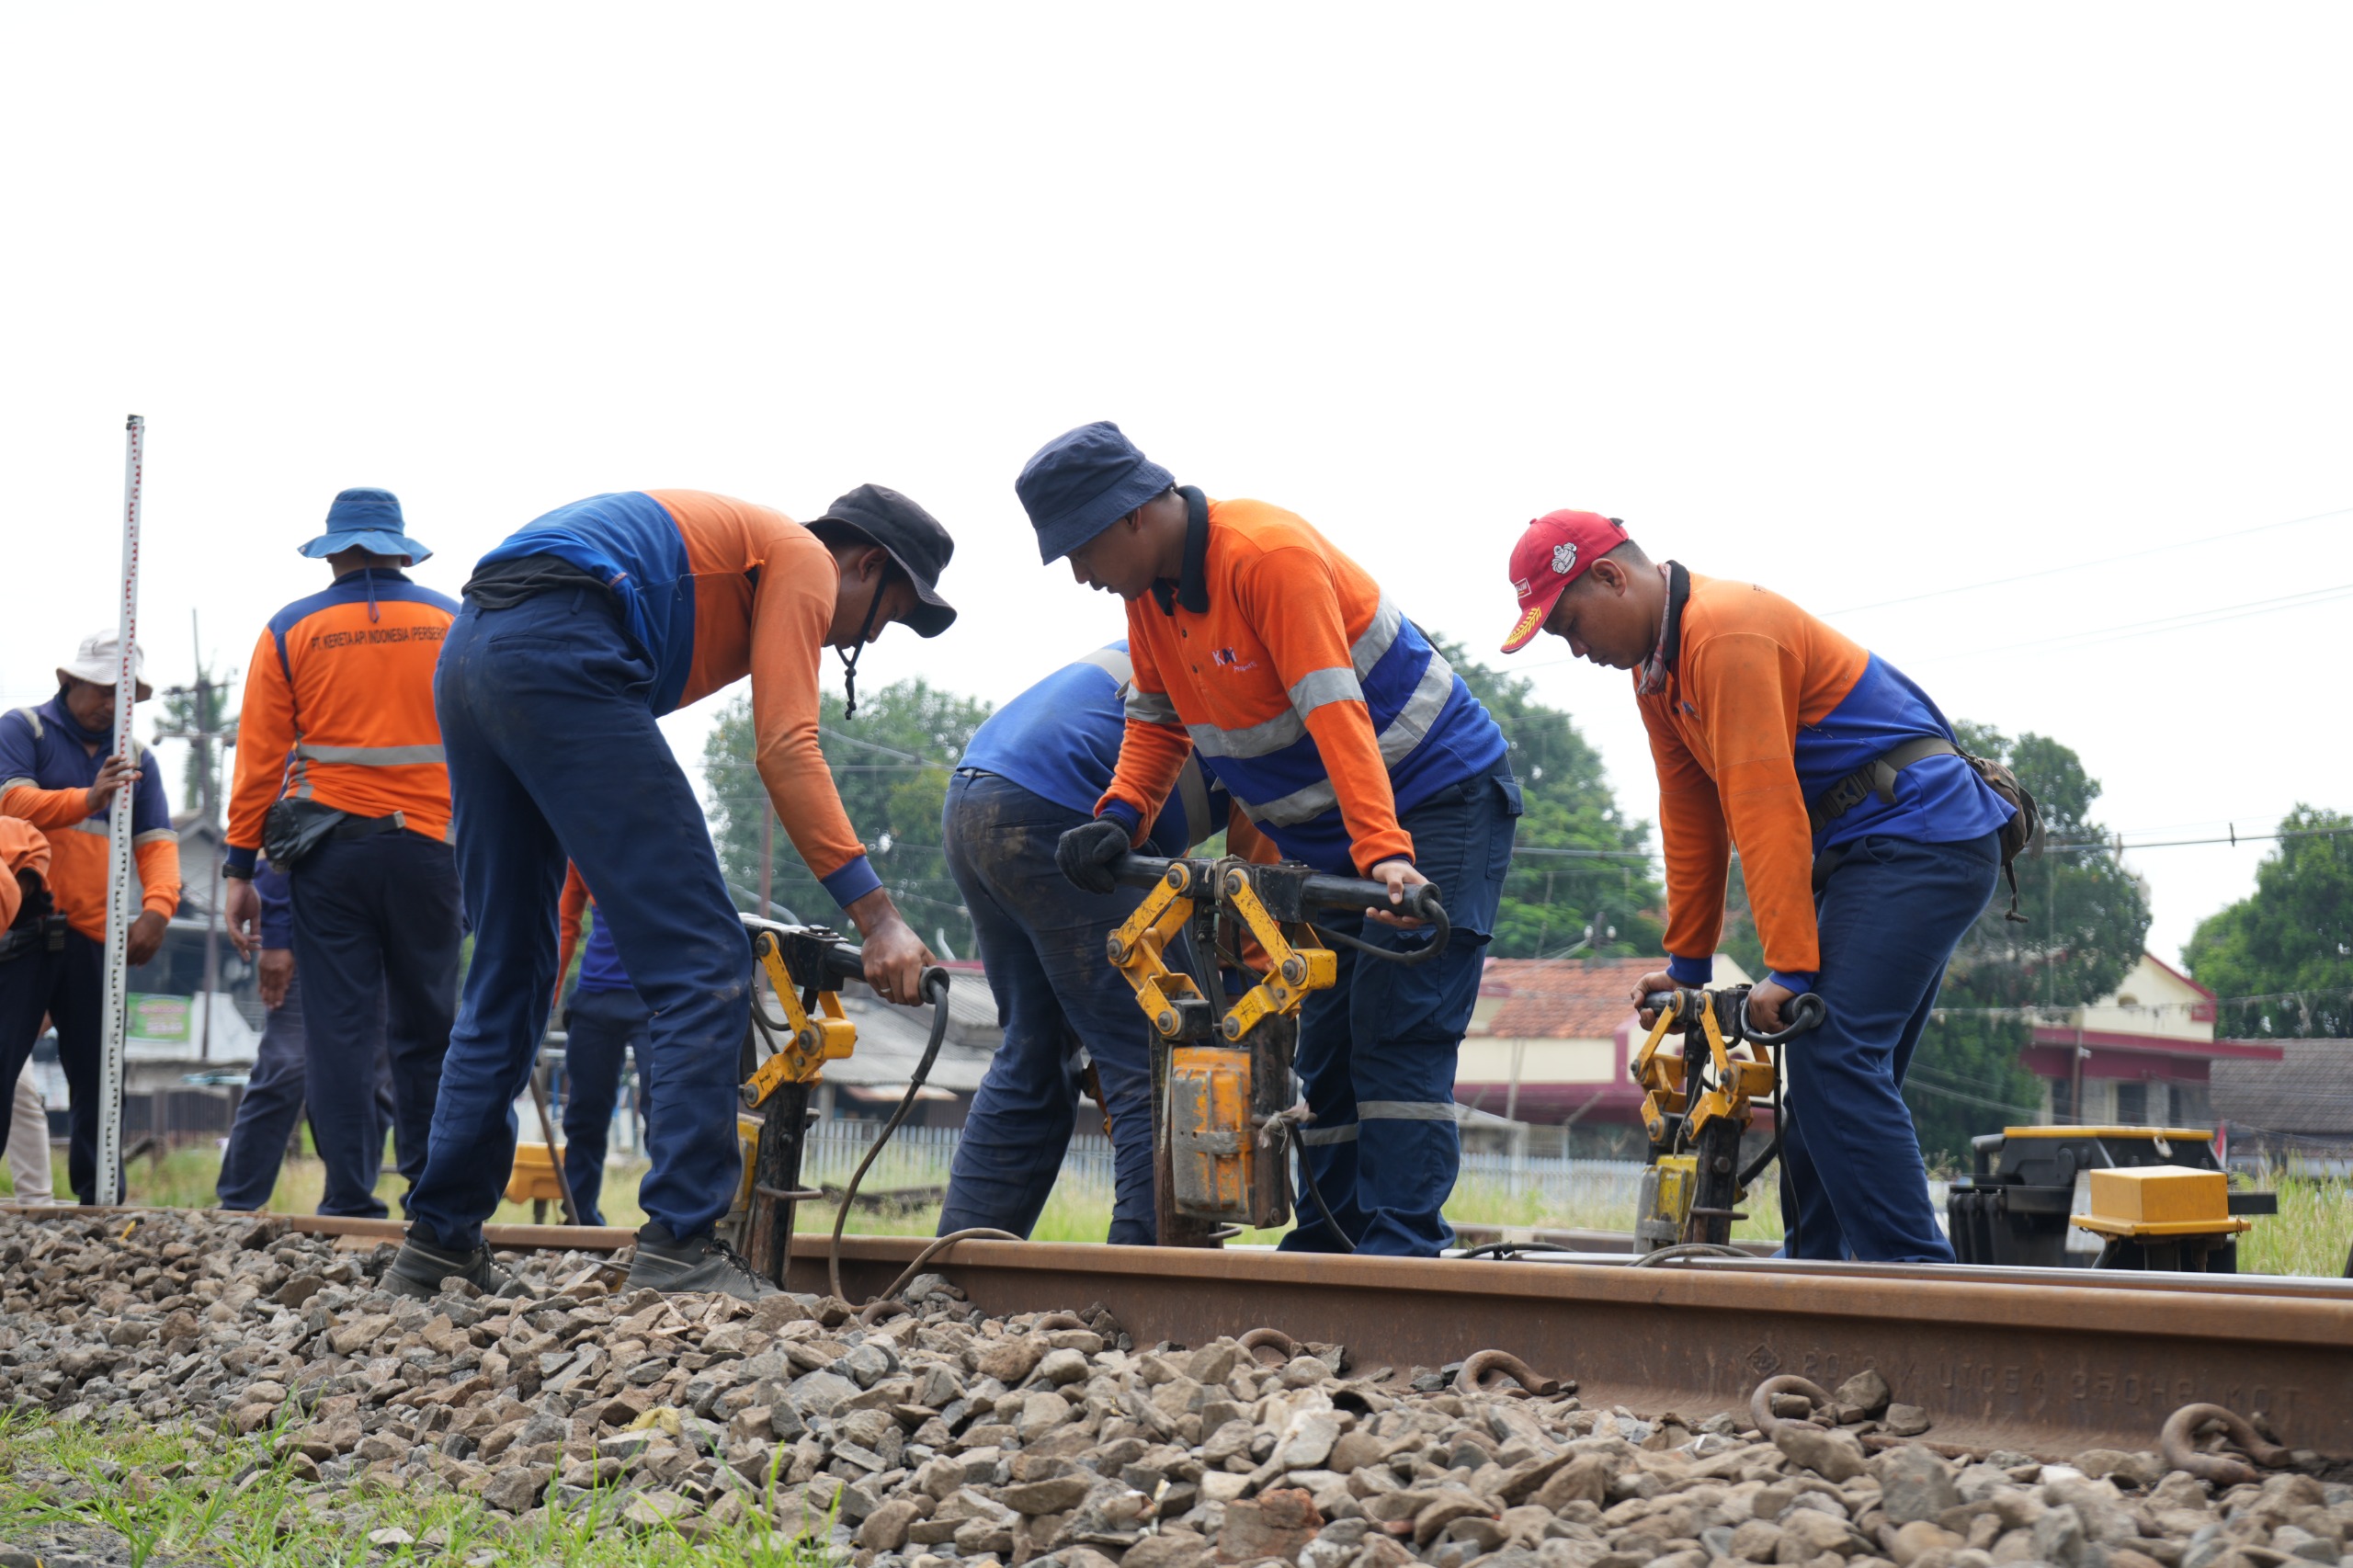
(783, 1059)
(1696, 1105)
(1222, 1069)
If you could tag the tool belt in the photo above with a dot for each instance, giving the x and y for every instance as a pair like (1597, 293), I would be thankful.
(38, 928)
(1876, 776)
(292, 830)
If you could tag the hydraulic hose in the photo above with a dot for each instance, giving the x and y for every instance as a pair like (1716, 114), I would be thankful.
(935, 986)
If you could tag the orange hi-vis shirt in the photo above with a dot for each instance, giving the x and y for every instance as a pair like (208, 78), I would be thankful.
(338, 709)
(1745, 668)
(1308, 694)
(22, 848)
(48, 763)
(714, 589)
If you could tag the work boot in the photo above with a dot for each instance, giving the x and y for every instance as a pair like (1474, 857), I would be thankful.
(420, 1267)
(698, 1263)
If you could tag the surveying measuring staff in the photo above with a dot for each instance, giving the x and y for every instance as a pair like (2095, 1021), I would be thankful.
(1870, 844)
(579, 632)
(1351, 743)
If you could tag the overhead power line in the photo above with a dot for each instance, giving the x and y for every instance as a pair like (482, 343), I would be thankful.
(2086, 565)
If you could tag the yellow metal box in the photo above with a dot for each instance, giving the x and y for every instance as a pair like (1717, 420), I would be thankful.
(1213, 1148)
(2152, 1200)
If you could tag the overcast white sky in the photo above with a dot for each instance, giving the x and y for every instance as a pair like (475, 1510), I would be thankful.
(1859, 303)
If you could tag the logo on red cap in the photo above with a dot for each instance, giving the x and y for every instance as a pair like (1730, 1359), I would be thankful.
(1570, 542)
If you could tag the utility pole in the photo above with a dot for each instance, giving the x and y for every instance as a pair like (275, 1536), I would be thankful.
(200, 734)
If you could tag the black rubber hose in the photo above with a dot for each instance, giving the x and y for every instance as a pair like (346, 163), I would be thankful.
(935, 986)
(1307, 1178)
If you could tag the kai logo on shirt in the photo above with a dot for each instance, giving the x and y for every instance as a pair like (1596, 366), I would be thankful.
(1232, 663)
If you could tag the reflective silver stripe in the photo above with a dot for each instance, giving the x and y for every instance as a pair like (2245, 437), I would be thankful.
(94, 824)
(33, 720)
(155, 835)
(371, 756)
(1257, 740)
(1299, 806)
(1366, 651)
(1316, 687)
(1193, 791)
(1115, 664)
(13, 783)
(1150, 707)
(1320, 1135)
(1408, 1110)
(1421, 711)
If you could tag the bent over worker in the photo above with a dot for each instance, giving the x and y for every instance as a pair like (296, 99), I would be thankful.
(1351, 743)
(1758, 716)
(1033, 772)
(54, 775)
(337, 742)
(578, 634)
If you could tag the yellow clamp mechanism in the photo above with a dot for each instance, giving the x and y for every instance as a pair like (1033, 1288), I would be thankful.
(1665, 1080)
(1171, 999)
(804, 1044)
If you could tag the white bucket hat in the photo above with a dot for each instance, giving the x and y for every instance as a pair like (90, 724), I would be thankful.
(100, 661)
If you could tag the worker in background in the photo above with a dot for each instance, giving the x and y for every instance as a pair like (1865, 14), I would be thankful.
(606, 1024)
(1352, 744)
(56, 775)
(579, 632)
(1032, 772)
(1770, 732)
(272, 1104)
(339, 768)
(24, 880)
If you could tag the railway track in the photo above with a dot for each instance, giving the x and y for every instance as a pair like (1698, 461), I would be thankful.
(2001, 1358)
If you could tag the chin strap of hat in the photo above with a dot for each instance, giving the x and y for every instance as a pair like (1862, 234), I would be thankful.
(849, 660)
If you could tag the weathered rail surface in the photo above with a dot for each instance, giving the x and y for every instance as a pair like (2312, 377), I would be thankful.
(2023, 1364)
(2008, 1358)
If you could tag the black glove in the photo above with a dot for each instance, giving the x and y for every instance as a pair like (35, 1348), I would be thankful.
(1086, 855)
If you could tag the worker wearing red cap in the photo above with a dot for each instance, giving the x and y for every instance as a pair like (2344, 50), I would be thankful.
(1868, 842)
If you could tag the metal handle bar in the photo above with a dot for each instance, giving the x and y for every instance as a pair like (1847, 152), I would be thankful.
(1422, 901)
(1806, 1011)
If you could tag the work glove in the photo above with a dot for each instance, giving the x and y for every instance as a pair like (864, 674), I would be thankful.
(1087, 853)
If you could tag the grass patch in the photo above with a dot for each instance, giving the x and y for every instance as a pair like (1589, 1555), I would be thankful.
(171, 1494)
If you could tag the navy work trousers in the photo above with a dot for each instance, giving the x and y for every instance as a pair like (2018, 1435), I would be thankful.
(547, 723)
(68, 987)
(377, 931)
(1890, 916)
(1377, 1051)
(272, 1104)
(601, 1028)
(1042, 941)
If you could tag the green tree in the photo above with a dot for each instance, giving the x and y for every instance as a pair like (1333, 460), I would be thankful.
(1577, 860)
(2087, 921)
(187, 711)
(2289, 948)
(892, 765)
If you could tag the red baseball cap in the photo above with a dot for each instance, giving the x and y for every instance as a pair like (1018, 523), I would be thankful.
(1554, 552)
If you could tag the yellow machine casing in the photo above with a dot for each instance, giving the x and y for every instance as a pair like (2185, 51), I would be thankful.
(532, 1178)
(1214, 1150)
(2159, 1201)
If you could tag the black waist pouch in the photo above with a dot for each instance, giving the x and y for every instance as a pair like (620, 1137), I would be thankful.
(292, 829)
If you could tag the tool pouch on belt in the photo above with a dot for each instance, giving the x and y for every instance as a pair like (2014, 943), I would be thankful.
(38, 928)
(292, 829)
(1876, 776)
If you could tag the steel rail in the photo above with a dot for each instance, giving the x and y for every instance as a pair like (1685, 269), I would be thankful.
(2008, 1358)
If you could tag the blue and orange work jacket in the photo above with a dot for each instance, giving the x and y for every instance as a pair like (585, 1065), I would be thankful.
(47, 765)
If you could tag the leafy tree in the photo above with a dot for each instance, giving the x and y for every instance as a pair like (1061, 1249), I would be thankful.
(1608, 880)
(892, 765)
(184, 717)
(2288, 949)
(2087, 921)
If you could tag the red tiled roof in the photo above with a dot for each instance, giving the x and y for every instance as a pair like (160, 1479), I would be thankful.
(1561, 998)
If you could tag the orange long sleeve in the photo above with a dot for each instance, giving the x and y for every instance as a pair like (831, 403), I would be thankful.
(568, 911)
(265, 739)
(790, 612)
(45, 808)
(159, 874)
(1694, 841)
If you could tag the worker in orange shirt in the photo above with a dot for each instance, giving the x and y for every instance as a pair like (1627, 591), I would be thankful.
(1352, 744)
(24, 885)
(55, 775)
(1869, 844)
(339, 771)
(579, 632)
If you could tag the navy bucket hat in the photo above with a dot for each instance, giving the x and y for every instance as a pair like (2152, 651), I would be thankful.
(366, 519)
(1081, 482)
